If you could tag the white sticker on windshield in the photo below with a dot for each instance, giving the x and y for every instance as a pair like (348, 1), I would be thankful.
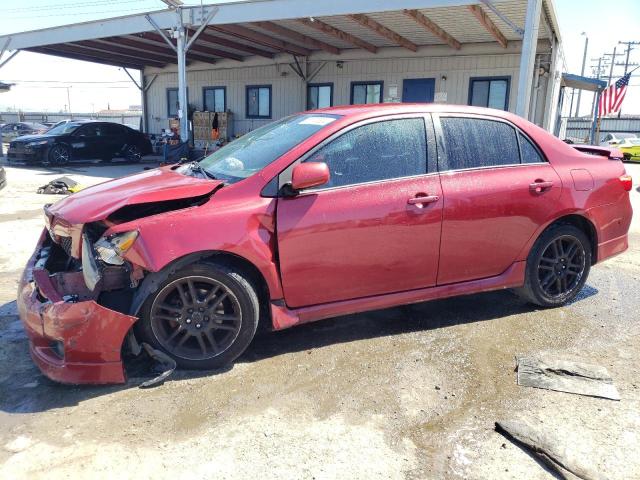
(317, 121)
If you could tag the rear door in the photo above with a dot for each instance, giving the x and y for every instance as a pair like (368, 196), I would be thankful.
(498, 190)
(375, 228)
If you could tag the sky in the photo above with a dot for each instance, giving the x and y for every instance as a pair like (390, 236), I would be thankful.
(46, 83)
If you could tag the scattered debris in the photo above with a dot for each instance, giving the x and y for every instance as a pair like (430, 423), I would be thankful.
(60, 186)
(548, 448)
(162, 358)
(566, 376)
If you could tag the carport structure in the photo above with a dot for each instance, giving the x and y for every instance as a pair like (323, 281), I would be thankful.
(228, 34)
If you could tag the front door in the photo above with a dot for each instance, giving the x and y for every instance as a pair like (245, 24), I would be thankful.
(374, 229)
(418, 90)
(498, 190)
(84, 142)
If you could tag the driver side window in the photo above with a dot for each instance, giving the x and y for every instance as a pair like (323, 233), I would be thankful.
(377, 151)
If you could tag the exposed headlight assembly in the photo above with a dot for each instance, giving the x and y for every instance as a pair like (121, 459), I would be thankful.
(112, 249)
(39, 142)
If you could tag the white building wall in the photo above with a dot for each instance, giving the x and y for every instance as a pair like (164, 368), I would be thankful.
(451, 70)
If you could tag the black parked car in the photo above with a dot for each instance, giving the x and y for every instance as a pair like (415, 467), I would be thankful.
(80, 140)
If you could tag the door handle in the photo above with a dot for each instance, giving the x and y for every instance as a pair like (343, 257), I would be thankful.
(540, 186)
(423, 200)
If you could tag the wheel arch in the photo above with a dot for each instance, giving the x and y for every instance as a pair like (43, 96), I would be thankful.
(582, 223)
(152, 280)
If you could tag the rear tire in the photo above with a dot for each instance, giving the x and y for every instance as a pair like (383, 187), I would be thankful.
(204, 316)
(557, 267)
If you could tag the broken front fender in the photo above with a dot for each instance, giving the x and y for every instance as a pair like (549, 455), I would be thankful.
(71, 342)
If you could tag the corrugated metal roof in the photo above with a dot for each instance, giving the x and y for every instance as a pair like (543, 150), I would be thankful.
(457, 21)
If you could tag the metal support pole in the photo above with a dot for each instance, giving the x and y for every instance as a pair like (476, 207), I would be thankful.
(595, 124)
(183, 108)
(6, 60)
(598, 77)
(584, 61)
(527, 57)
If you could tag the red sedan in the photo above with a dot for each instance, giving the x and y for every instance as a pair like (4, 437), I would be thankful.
(316, 215)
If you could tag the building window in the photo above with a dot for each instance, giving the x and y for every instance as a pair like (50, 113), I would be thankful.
(259, 101)
(319, 95)
(172, 102)
(366, 92)
(492, 92)
(214, 99)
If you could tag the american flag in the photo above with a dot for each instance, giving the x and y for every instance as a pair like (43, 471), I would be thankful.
(611, 98)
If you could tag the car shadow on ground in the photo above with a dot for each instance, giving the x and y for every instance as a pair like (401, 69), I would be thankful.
(24, 390)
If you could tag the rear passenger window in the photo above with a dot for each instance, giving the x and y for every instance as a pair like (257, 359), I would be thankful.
(376, 151)
(475, 142)
(529, 153)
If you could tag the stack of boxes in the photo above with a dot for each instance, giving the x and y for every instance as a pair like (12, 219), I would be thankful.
(203, 126)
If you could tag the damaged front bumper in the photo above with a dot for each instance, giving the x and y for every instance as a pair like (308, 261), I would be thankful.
(71, 341)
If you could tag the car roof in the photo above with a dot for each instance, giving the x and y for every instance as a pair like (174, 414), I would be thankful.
(377, 109)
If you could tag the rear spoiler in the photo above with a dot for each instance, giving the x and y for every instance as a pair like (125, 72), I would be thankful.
(608, 152)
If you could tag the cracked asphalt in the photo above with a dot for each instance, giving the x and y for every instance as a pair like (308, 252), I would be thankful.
(407, 393)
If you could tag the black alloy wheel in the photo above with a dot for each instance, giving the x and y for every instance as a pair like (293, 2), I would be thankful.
(58, 155)
(557, 267)
(561, 266)
(204, 316)
(196, 318)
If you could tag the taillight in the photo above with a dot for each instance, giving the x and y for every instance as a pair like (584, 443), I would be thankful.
(626, 182)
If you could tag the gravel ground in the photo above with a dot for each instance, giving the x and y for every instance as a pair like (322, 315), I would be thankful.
(409, 392)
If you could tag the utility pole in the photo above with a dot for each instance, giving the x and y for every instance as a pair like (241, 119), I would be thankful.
(584, 61)
(69, 102)
(630, 46)
(598, 71)
(613, 62)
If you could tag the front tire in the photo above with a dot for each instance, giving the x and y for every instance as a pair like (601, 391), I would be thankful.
(557, 266)
(58, 155)
(204, 316)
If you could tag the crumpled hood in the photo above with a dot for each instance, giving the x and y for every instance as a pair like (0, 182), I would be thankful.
(157, 185)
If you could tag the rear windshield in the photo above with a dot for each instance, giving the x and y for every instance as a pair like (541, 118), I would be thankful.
(257, 149)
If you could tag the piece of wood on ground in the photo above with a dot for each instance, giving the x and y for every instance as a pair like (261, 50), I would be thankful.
(566, 376)
(549, 449)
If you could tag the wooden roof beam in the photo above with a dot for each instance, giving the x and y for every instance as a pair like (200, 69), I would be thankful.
(297, 37)
(432, 27)
(136, 54)
(486, 22)
(225, 42)
(334, 32)
(86, 52)
(75, 56)
(261, 38)
(192, 53)
(139, 45)
(383, 31)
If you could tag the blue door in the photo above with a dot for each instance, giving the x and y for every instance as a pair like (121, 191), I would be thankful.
(418, 90)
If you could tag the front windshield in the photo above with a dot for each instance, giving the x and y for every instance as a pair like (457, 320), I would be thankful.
(63, 128)
(257, 149)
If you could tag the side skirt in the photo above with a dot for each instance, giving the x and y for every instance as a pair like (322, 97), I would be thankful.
(284, 317)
